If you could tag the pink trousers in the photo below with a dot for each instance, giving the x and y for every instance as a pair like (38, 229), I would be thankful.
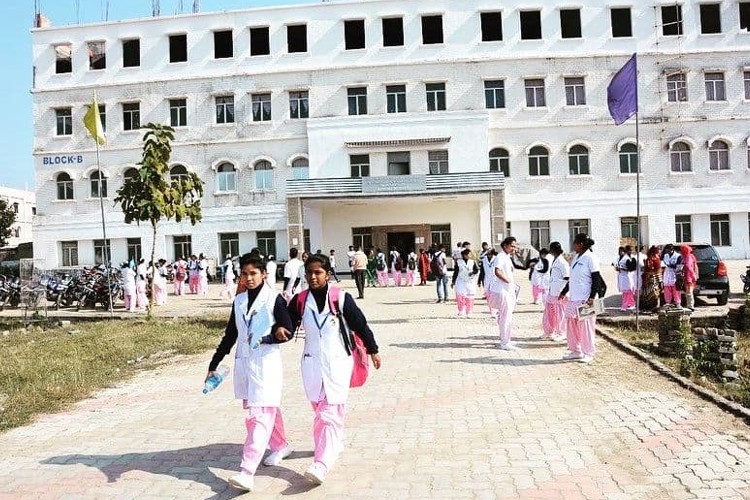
(396, 275)
(141, 299)
(178, 286)
(382, 278)
(672, 295)
(328, 432)
(465, 304)
(410, 277)
(553, 317)
(538, 293)
(581, 333)
(129, 300)
(194, 282)
(504, 302)
(265, 428)
(628, 299)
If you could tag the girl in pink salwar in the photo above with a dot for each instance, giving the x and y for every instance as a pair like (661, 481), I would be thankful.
(671, 262)
(488, 263)
(582, 289)
(411, 268)
(540, 277)
(160, 283)
(258, 324)
(690, 273)
(553, 318)
(396, 267)
(626, 265)
(326, 367)
(464, 282)
(381, 268)
(180, 275)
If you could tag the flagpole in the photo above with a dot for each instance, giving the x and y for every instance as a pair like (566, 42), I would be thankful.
(639, 276)
(107, 263)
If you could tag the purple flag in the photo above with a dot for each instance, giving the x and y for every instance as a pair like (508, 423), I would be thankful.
(622, 93)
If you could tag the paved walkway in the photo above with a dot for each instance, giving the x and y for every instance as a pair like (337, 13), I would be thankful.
(448, 416)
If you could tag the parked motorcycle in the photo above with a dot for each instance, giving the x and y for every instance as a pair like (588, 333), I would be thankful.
(746, 281)
(10, 292)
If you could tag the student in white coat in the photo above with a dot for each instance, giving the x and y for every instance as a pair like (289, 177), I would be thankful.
(326, 367)
(258, 323)
(540, 277)
(128, 287)
(291, 273)
(271, 271)
(230, 287)
(626, 265)
(488, 265)
(504, 291)
(464, 283)
(553, 319)
(202, 275)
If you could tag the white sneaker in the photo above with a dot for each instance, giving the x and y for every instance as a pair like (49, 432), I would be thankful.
(569, 356)
(316, 473)
(585, 359)
(276, 457)
(559, 338)
(242, 481)
(508, 347)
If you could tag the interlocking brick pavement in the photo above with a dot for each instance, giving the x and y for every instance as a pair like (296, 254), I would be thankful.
(449, 416)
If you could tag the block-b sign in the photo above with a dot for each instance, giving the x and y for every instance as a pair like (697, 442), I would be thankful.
(62, 160)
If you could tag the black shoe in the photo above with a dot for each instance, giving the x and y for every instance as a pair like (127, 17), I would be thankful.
(360, 297)
(438, 301)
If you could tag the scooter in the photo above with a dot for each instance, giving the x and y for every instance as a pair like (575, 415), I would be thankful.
(746, 280)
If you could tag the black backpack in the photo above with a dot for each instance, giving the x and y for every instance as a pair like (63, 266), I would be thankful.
(436, 266)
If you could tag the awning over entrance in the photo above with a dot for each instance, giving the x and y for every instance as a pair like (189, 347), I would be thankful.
(428, 141)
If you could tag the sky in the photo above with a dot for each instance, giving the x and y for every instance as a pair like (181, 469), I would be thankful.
(16, 17)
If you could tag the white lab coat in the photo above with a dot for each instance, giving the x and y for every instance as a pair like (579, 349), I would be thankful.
(325, 363)
(538, 278)
(257, 373)
(465, 284)
(489, 270)
(271, 273)
(625, 278)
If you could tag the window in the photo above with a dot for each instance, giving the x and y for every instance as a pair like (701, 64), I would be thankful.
(300, 169)
(683, 231)
(229, 244)
(435, 96)
(621, 24)
(131, 53)
(534, 92)
(398, 163)
(98, 184)
(628, 158)
(395, 96)
(178, 112)
(539, 233)
(178, 173)
(577, 226)
(103, 116)
(746, 78)
(33, 210)
(360, 165)
(102, 251)
(677, 87)
(440, 234)
(718, 156)
(575, 91)
(362, 237)
(354, 34)
(263, 175)
(97, 55)
(296, 38)
(499, 161)
(131, 116)
(432, 29)
(744, 13)
(299, 106)
(177, 48)
(69, 253)
(438, 161)
(538, 161)
(183, 246)
(260, 42)
(494, 94)
(578, 160)
(225, 109)
(226, 178)
(63, 58)
(267, 242)
(261, 107)
(492, 26)
(223, 44)
(64, 120)
(135, 252)
(531, 25)
(629, 227)
(679, 156)
(715, 87)
(720, 235)
(64, 186)
(710, 18)
(570, 23)
(393, 31)
(130, 173)
(357, 98)
(671, 20)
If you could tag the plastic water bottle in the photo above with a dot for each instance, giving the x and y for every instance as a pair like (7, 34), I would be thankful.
(216, 379)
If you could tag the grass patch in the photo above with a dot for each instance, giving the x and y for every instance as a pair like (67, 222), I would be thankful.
(738, 391)
(47, 369)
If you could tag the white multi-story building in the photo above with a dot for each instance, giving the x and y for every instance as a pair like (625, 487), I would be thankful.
(395, 122)
(23, 205)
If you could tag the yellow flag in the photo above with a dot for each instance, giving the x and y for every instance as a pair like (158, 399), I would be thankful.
(93, 122)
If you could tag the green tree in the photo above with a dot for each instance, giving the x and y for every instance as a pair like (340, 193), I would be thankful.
(152, 196)
(7, 218)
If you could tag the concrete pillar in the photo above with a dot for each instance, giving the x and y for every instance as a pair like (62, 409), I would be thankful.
(295, 223)
(497, 217)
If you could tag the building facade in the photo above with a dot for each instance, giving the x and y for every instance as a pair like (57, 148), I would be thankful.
(401, 123)
(23, 205)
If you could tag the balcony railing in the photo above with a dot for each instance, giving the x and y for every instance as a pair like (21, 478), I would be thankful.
(395, 185)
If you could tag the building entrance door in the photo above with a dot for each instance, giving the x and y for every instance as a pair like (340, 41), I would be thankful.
(403, 241)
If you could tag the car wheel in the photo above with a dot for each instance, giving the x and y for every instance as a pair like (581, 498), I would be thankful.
(722, 300)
